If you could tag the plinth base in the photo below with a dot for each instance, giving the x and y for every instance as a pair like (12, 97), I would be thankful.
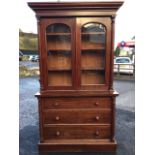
(77, 146)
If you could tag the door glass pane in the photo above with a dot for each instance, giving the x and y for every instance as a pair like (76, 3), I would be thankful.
(59, 53)
(93, 54)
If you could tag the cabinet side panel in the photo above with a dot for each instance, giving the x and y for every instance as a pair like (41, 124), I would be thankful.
(112, 51)
(113, 119)
(40, 54)
(40, 105)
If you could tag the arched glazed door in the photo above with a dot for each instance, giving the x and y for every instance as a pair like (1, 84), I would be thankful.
(94, 52)
(59, 53)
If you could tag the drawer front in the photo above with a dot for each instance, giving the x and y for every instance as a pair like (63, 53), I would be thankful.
(69, 103)
(75, 116)
(76, 132)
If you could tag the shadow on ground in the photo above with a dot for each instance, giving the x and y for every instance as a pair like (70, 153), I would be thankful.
(29, 137)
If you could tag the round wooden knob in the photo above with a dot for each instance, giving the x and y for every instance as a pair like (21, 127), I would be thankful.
(56, 104)
(96, 103)
(57, 118)
(58, 133)
(97, 133)
(97, 118)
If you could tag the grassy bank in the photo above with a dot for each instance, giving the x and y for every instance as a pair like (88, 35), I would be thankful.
(25, 72)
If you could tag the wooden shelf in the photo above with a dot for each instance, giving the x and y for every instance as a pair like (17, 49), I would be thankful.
(57, 78)
(92, 46)
(92, 49)
(89, 77)
(58, 34)
(59, 50)
(59, 69)
(93, 69)
(93, 33)
(59, 46)
(85, 50)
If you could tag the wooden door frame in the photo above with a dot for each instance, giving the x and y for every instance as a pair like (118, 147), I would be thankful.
(44, 24)
(106, 21)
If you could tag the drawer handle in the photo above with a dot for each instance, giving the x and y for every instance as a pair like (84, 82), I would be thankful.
(56, 104)
(96, 103)
(97, 118)
(97, 133)
(57, 133)
(57, 118)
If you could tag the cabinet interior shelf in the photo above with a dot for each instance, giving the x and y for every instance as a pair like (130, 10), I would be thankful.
(93, 33)
(93, 69)
(59, 69)
(69, 69)
(93, 49)
(67, 33)
(59, 50)
(96, 49)
(58, 34)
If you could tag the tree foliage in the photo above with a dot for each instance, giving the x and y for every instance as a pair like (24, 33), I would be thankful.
(28, 41)
(117, 51)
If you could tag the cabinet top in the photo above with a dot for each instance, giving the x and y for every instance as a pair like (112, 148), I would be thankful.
(46, 6)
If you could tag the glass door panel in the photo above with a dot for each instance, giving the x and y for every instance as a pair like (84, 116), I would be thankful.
(93, 36)
(59, 54)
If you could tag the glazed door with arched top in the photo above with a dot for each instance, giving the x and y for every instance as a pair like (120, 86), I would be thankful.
(59, 53)
(94, 36)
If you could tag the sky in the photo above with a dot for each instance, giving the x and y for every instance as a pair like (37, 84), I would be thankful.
(124, 23)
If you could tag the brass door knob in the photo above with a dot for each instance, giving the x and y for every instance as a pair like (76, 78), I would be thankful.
(97, 118)
(97, 133)
(57, 118)
(96, 103)
(57, 133)
(56, 104)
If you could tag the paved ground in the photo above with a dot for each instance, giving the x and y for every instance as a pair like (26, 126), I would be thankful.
(29, 64)
(29, 134)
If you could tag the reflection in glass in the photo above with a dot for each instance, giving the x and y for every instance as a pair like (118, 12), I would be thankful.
(58, 38)
(93, 54)
(58, 28)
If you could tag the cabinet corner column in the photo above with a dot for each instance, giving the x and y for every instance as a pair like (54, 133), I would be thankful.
(39, 52)
(112, 50)
(113, 119)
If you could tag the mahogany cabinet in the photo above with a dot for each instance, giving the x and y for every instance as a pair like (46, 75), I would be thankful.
(76, 98)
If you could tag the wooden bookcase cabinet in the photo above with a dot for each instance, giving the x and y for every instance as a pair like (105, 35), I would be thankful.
(76, 98)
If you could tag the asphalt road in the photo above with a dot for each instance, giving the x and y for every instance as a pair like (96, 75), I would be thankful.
(29, 64)
(28, 118)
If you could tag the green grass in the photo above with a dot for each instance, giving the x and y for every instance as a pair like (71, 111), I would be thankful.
(25, 72)
(28, 41)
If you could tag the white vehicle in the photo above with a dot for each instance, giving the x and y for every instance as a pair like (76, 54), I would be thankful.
(31, 57)
(123, 65)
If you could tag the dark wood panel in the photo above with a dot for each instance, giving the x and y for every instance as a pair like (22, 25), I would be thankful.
(76, 131)
(75, 116)
(78, 145)
(89, 45)
(56, 45)
(92, 60)
(92, 77)
(66, 145)
(63, 78)
(59, 61)
(70, 103)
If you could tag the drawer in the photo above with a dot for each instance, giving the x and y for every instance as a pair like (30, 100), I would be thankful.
(75, 116)
(76, 131)
(69, 103)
